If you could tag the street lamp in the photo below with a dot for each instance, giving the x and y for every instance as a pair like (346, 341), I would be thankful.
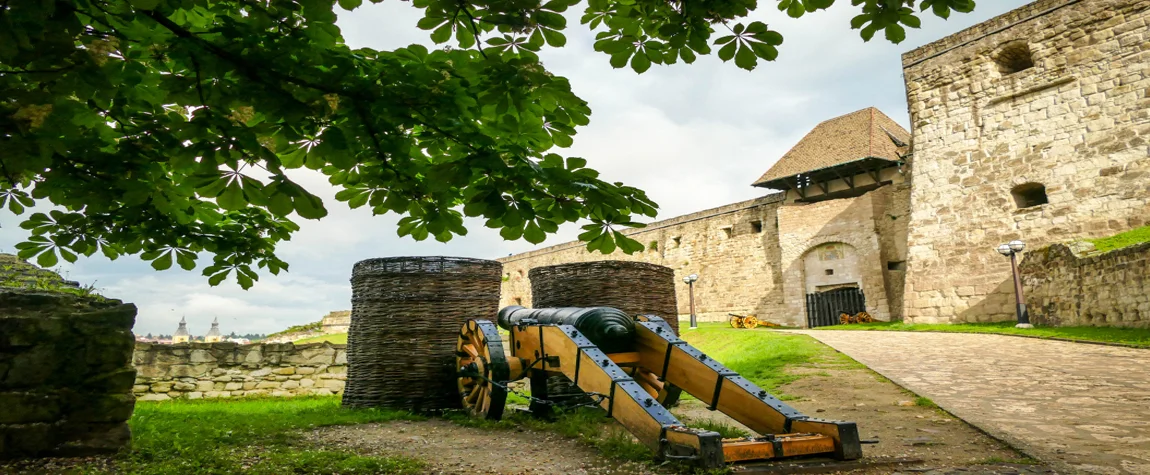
(1012, 249)
(690, 281)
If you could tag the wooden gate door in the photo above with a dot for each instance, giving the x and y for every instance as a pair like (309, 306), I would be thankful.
(823, 308)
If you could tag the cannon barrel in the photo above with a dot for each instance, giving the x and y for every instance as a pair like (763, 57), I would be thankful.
(608, 328)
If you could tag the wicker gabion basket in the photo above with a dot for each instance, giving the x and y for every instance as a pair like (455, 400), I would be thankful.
(406, 314)
(636, 288)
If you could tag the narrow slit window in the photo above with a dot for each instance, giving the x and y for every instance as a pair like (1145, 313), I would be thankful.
(896, 265)
(757, 226)
(830, 272)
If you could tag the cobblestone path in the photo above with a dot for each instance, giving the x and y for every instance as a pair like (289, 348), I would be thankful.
(1081, 408)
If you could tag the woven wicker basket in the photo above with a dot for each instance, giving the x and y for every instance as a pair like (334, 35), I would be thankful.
(636, 288)
(406, 313)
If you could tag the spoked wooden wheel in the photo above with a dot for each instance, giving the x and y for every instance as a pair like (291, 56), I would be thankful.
(736, 321)
(480, 360)
(750, 322)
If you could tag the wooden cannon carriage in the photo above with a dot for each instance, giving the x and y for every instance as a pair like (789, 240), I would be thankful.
(634, 368)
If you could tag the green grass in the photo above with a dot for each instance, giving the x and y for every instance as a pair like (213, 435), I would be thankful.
(763, 356)
(924, 402)
(1139, 337)
(1121, 240)
(259, 436)
(1000, 460)
(307, 327)
(335, 338)
(263, 436)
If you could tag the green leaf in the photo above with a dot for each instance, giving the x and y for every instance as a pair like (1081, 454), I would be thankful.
(164, 262)
(619, 59)
(186, 260)
(67, 255)
(215, 279)
(895, 33)
(554, 38)
(727, 52)
(350, 4)
(145, 4)
(441, 34)
(640, 63)
(534, 234)
(232, 198)
(511, 233)
(746, 58)
(47, 258)
(309, 206)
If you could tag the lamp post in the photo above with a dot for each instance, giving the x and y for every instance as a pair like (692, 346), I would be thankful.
(1012, 249)
(690, 281)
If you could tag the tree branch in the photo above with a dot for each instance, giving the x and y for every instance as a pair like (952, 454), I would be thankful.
(199, 81)
(474, 28)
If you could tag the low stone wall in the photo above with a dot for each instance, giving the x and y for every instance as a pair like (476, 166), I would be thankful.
(221, 370)
(1068, 286)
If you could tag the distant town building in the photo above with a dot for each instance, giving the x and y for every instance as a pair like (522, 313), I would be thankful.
(181, 335)
(213, 335)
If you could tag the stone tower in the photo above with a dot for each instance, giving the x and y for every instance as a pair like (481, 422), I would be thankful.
(213, 335)
(181, 335)
(1031, 126)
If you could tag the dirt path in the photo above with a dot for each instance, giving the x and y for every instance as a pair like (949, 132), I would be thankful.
(886, 414)
(453, 449)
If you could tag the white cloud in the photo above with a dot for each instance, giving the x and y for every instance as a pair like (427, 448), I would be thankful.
(692, 136)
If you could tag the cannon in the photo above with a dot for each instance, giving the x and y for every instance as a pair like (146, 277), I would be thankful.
(743, 321)
(634, 367)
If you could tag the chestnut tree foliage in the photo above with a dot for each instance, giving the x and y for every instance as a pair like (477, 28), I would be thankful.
(164, 128)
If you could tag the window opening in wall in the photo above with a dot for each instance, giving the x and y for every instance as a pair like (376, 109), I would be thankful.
(726, 231)
(896, 265)
(830, 272)
(675, 240)
(757, 226)
(1028, 195)
(1013, 57)
(520, 272)
(518, 300)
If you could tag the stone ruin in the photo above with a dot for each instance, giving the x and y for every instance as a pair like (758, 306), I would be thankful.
(65, 366)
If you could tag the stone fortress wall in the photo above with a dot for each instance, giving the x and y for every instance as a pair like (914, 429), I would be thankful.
(732, 248)
(1069, 285)
(1077, 122)
(222, 370)
(749, 255)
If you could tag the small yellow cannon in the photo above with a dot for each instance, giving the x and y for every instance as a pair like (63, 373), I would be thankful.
(743, 321)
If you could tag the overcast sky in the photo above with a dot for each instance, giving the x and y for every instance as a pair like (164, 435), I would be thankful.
(693, 136)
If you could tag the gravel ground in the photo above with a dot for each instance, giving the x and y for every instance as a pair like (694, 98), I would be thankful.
(451, 449)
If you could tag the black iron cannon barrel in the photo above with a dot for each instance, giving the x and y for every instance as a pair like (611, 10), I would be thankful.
(608, 328)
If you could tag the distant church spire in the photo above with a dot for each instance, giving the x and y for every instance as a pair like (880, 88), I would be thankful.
(213, 334)
(181, 335)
